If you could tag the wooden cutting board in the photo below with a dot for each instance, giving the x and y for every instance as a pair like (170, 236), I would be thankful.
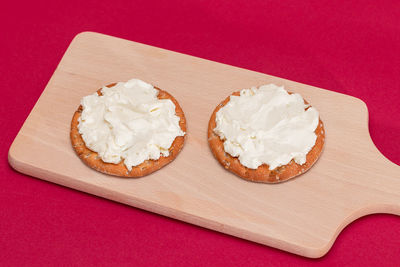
(302, 216)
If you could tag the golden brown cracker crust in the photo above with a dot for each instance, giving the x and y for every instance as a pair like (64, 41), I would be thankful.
(92, 159)
(262, 173)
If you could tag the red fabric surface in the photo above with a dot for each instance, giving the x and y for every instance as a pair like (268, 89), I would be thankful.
(350, 47)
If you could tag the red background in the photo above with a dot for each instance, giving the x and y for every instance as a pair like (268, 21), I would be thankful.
(352, 47)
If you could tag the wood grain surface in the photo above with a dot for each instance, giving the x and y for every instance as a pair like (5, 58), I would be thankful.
(302, 216)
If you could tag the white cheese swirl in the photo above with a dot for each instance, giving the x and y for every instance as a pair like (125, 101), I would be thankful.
(128, 122)
(267, 125)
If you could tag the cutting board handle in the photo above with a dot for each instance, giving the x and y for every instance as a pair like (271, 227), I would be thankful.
(377, 190)
(383, 195)
(391, 200)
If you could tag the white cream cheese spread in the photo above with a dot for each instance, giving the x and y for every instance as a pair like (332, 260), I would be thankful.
(267, 125)
(128, 122)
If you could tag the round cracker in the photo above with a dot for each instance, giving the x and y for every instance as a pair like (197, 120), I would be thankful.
(92, 159)
(262, 174)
